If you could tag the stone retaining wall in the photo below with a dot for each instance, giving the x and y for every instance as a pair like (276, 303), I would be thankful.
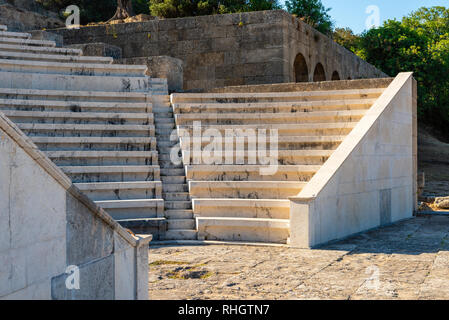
(233, 49)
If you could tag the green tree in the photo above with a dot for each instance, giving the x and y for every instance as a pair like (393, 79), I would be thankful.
(346, 38)
(418, 43)
(93, 11)
(313, 13)
(188, 8)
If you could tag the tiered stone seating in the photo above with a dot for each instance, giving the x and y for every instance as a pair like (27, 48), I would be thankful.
(234, 201)
(92, 118)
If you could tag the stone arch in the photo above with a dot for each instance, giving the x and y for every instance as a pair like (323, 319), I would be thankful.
(335, 76)
(300, 68)
(319, 74)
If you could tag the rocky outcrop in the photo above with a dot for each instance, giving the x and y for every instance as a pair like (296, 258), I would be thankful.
(20, 19)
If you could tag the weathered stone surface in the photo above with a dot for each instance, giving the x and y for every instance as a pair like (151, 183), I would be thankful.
(162, 67)
(45, 35)
(408, 260)
(88, 238)
(235, 49)
(96, 282)
(18, 19)
(98, 49)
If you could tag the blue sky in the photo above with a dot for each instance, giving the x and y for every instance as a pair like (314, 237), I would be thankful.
(351, 13)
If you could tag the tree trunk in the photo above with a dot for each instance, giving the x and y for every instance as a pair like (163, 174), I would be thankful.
(124, 10)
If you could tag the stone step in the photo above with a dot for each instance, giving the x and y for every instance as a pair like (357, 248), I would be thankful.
(271, 118)
(170, 165)
(176, 196)
(166, 144)
(133, 209)
(299, 173)
(20, 35)
(161, 126)
(3, 27)
(86, 130)
(165, 157)
(178, 214)
(175, 205)
(173, 172)
(315, 129)
(283, 143)
(276, 96)
(99, 191)
(88, 174)
(55, 117)
(95, 143)
(75, 106)
(165, 132)
(69, 68)
(103, 158)
(164, 120)
(27, 42)
(283, 157)
(183, 224)
(179, 234)
(243, 229)
(44, 81)
(275, 107)
(82, 97)
(173, 179)
(153, 226)
(174, 187)
(245, 189)
(30, 56)
(163, 112)
(40, 50)
(242, 208)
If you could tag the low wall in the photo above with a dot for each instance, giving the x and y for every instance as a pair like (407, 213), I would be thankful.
(232, 49)
(311, 86)
(370, 180)
(47, 225)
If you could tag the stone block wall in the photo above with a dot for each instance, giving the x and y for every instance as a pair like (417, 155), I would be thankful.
(47, 225)
(231, 49)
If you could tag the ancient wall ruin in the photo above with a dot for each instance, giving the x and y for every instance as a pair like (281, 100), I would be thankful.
(233, 49)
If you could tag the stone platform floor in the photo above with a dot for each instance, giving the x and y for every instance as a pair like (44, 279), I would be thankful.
(408, 260)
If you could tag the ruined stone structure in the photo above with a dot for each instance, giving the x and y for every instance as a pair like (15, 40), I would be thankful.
(234, 49)
(58, 143)
(105, 146)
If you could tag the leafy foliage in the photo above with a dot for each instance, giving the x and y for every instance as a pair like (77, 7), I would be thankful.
(313, 13)
(418, 43)
(188, 8)
(93, 11)
(346, 38)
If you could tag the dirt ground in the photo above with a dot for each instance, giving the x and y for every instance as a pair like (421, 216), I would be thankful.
(433, 160)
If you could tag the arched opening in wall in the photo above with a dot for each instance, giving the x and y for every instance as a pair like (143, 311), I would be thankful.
(349, 78)
(319, 74)
(301, 70)
(335, 76)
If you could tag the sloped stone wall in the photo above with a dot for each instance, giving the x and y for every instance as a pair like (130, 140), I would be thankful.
(47, 226)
